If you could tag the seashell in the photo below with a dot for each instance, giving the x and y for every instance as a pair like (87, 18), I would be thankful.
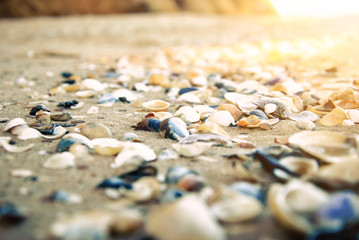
(353, 115)
(186, 90)
(259, 113)
(70, 87)
(149, 124)
(25, 133)
(288, 102)
(237, 209)
(61, 196)
(344, 171)
(335, 117)
(14, 123)
(108, 99)
(191, 183)
(244, 102)
(80, 151)
(217, 140)
(43, 117)
(222, 118)
(37, 108)
(234, 111)
(113, 183)
(156, 105)
(171, 221)
(305, 115)
(107, 146)
(305, 125)
(191, 150)
(173, 128)
(56, 132)
(60, 161)
(171, 195)
(283, 110)
(311, 109)
(68, 104)
(345, 94)
(126, 221)
(175, 173)
(133, 137)
(298, 103)
(4, 142)
(95, 130)
(211, 127)
(139, 172)
(11, 214)
(62, 117)
(242, 143)
(249, 189)
(251, 120)
(327, 106)
(167, 154)
(92, 110)
(291, 203)
(90, 224)
(199, 81)
(134, 154)
(21, 173)
(163, 115)
(348, 104)
(270, 108)
(85, 94)
(159, 79)
(92, 84)
(79, 139)
(329, 147)
(348, 123)
(145, 189)
(201, 109)
(197, 96)
(304, 167)
(187, 114)
(125, 93)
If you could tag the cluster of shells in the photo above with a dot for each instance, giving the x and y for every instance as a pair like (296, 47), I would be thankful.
(199, 112)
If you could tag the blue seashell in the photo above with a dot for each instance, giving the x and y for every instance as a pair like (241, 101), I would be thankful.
(340, 206)
(107, 98)
(154, 124)
(174, 128)
(186, 90)
(114, 182)
(65, 144)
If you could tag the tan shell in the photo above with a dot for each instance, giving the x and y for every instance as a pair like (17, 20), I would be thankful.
(349, 104)
(85, 94)
(159, 79)
(222, 118)
(107, 146)
(327, 146)
(14, 123)
(291, 202)
(327, 106)
(304, 167)
(251, 120)
(145, 189)
(156, 105)
(234, 111)
(95, 130)
(211, 127)
(163, 115)
(191, 150)
(345, 171)
(335, 117)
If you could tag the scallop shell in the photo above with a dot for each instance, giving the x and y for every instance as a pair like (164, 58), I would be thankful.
(60, 161)
(191, 150)
(327, 106)
(291, 203)
(335, 117)
(237, 209)
(187, 114)
(107, 146)
(134, 154)
(235, 112)
(349, 104)
(172, 221)
(156, 105)
(14, 123)
(28, 133)
(344, 171)
(304, 167)
(222, 118)
(327, 146)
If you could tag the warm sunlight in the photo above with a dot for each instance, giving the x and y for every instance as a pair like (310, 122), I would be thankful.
(316, 8)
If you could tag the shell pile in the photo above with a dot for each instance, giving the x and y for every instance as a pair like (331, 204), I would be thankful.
(180, 147)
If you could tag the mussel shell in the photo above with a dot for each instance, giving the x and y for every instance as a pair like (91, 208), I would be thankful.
(37, 108)
(173, 128)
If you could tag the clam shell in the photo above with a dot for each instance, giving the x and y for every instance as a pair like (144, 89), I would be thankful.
(204, 109)
(335, 117)
(291, 202)
(130, 136)
(173, 128)
(304, 167)
(4, 142)
(211, 127)
(156, 105)
(58, 132)
(222, 118)
(187, 114)
(327, 146)
(270, 108)
(134, 154)
(85, 94)
(234, 111)
(95, 130)
(305, 125)
(159, 79)
(145, 189)
(37, 108)
(14, 123)
(28, 133)
(305, 115)
(191, 150)
(345, 171)
(163, 115)
(237, 209)
(107, 146)
(187, 218)
(82, 139)
(60, 161)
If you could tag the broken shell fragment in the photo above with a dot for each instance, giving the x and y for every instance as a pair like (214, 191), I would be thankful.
(344, 171)
(156, 105)
(270, 108)
(173, 128)
(107, 146)
(14, 123)
(171, 221)
(60, 161)
(329, 147)
(134, 154)
(304, 167)
(145, 189)
(217, 140)
(305, 125)
(222, 118)
(187, 114)
(353, 115)
(62, 117)
(305, 115)
(132, 137)
(95, 130)
(4, 142)
(335, 117)
(191, 150)
(211, 127)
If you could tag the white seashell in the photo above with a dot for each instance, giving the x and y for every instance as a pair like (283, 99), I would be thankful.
(85, 94)
(78, 106)
(189, 97)
(60, 161)
(92, 110)
(163, 115)
(348, 123)
(345, 171)
(28, 133)
(270, 108)
(80, 137)
(4, 142)
(14, 123)
(107, 146)
(95, 130)
(305, 125)
(204, 109)
(188, 218)
(191, 150)
(242, 101)
(135, 154)
(327, 146)
(57, 133)
(237, 209)
(145, 189)
(130, 96)
(288, 102)
(222, 118)
(156, 105)
(353, 115)
(141, 87)
(21, 173)
(187, 114)
(304, 167)
(199, 81)
(252, 85)
(92, 84)
(305, 115)
(291, 203)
